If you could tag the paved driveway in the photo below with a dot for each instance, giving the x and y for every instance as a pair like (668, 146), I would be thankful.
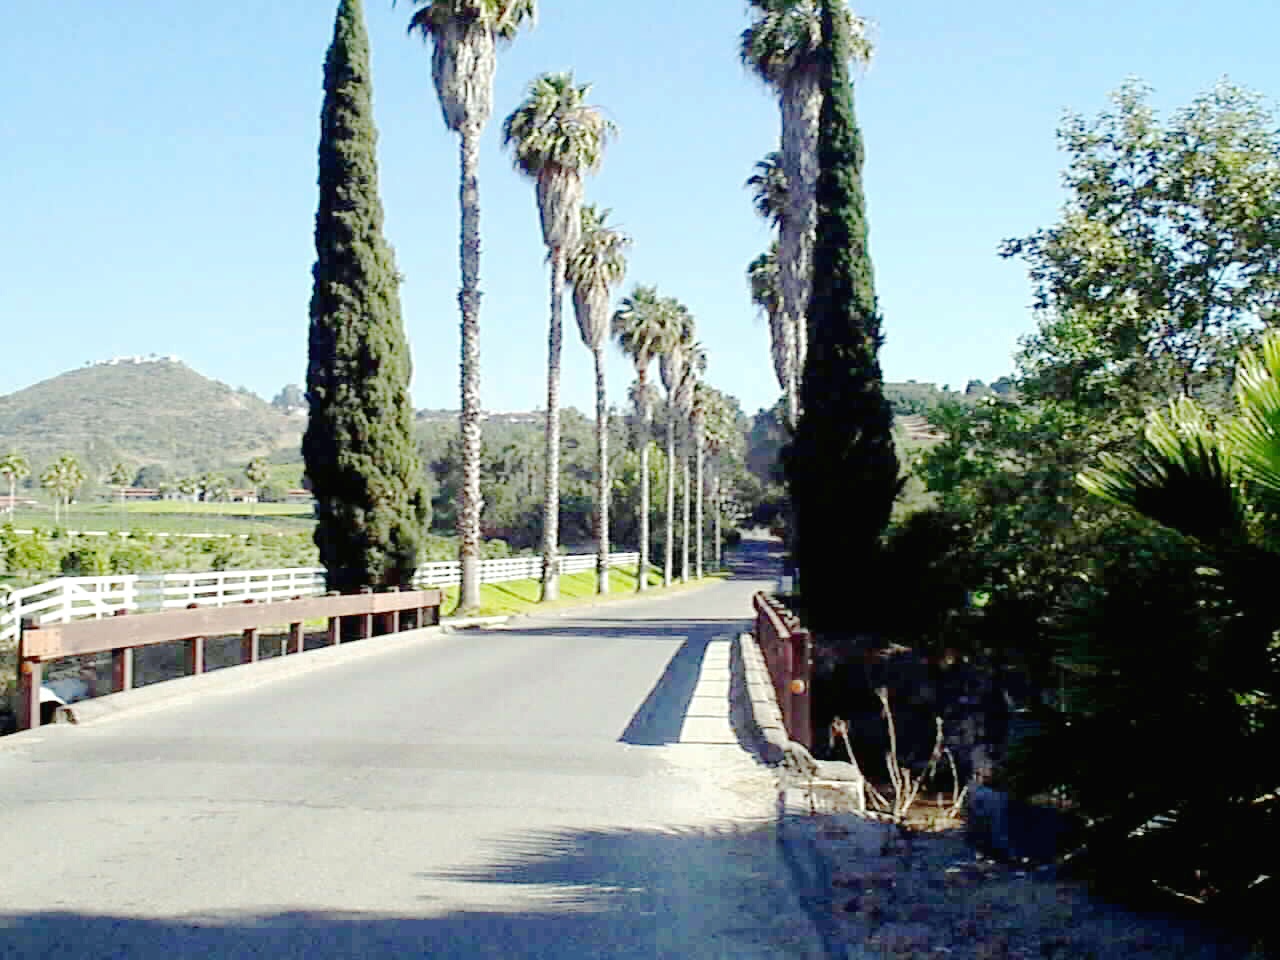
(561, 787)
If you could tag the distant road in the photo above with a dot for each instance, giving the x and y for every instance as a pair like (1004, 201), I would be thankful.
(521, 792)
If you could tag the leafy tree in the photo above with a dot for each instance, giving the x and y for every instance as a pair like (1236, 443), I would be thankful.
(842, 469)
(257, 473)
(597, 265)
(643, 326)
(371, 504)
(784, 46)
(289, 398)
(1164, 260)
(557, 138)
(465, 36)
(14, 467)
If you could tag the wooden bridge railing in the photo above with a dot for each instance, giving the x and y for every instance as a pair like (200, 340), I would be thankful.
(120, 635)
(788, 652)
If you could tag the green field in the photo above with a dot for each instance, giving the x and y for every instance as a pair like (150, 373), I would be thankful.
(174, 516)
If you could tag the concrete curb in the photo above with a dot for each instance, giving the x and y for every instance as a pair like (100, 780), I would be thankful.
(235, 679)
(811, 869)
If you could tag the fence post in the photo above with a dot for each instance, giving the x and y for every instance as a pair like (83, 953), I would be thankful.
(121, 665)
(335, 624)
(366, 619)
(30, 679)
(249, 648)
(295, 637)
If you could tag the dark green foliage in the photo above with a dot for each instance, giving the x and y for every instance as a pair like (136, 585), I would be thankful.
(841, 468)
(361, 458)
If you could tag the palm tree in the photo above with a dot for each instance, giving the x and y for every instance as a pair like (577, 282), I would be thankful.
(465, 35)
(672, 364)
(762, 280)
(14, 467)
(63, 478)
(695, 364)
(783, 47)
(1216, 480)
(596, 265)
(557, 138)
(257, 473)
(643, 326)
(119, 477)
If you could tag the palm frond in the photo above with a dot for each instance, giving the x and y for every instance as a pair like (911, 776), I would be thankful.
(1254, 433)
(1182, 477)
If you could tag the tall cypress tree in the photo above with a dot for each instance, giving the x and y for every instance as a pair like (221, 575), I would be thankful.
(842, 469)
(361, 457)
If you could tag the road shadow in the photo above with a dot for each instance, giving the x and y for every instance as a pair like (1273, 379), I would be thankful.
(660, 717)
(624, 894)
(671, 892)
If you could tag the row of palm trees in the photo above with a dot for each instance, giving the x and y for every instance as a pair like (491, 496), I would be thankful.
(556, 139)
(781, 47)
(62, 478)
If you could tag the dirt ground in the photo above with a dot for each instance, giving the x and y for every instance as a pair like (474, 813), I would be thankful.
(924, 894)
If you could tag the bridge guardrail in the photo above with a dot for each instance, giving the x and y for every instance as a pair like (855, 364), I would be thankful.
(121, 634)
(788, 653)
(67, 599)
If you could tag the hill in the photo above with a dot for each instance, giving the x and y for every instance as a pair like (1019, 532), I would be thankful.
(143, 411)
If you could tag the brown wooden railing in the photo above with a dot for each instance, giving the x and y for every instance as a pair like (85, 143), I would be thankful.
(372, 613)
(788, 652)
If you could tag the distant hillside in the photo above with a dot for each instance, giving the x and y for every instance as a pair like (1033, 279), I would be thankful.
(143, 411)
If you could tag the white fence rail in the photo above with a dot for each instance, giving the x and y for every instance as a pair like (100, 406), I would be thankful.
(80, 598)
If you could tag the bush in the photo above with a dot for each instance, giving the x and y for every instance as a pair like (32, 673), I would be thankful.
(86, 560)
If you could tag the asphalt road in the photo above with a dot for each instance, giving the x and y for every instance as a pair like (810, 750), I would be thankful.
(561, 787)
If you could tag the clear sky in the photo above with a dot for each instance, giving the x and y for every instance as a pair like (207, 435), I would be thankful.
(158, 161)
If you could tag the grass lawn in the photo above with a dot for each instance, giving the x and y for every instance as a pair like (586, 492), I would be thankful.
(576, 589)
(175, 516)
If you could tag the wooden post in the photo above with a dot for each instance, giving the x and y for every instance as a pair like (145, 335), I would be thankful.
(366, 619)
(335, 631)
(249, 646)
(195, 656)
(121, 669)
(30, 678)
(295, 637)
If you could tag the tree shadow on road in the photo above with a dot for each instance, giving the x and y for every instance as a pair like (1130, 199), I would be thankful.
(671, 893)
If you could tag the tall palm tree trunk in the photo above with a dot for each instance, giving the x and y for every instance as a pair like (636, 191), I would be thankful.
(684, 509)
(801, 104)
(602, 476)
(469, 419)
(642, 572)
(718, 507)
(697, 567)
(551, 490)
(668, 561)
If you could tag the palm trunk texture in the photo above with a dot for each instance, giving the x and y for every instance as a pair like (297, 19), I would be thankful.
(668, 560)
(642, 572)
(602, 476)
(697, 522)
(469, 418)
(684, 510)
(551, 490)
(801, 105)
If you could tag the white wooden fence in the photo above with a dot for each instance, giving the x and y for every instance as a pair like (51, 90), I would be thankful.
(79, 598)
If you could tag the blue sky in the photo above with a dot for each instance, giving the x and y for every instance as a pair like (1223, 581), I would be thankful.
(159, 169)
